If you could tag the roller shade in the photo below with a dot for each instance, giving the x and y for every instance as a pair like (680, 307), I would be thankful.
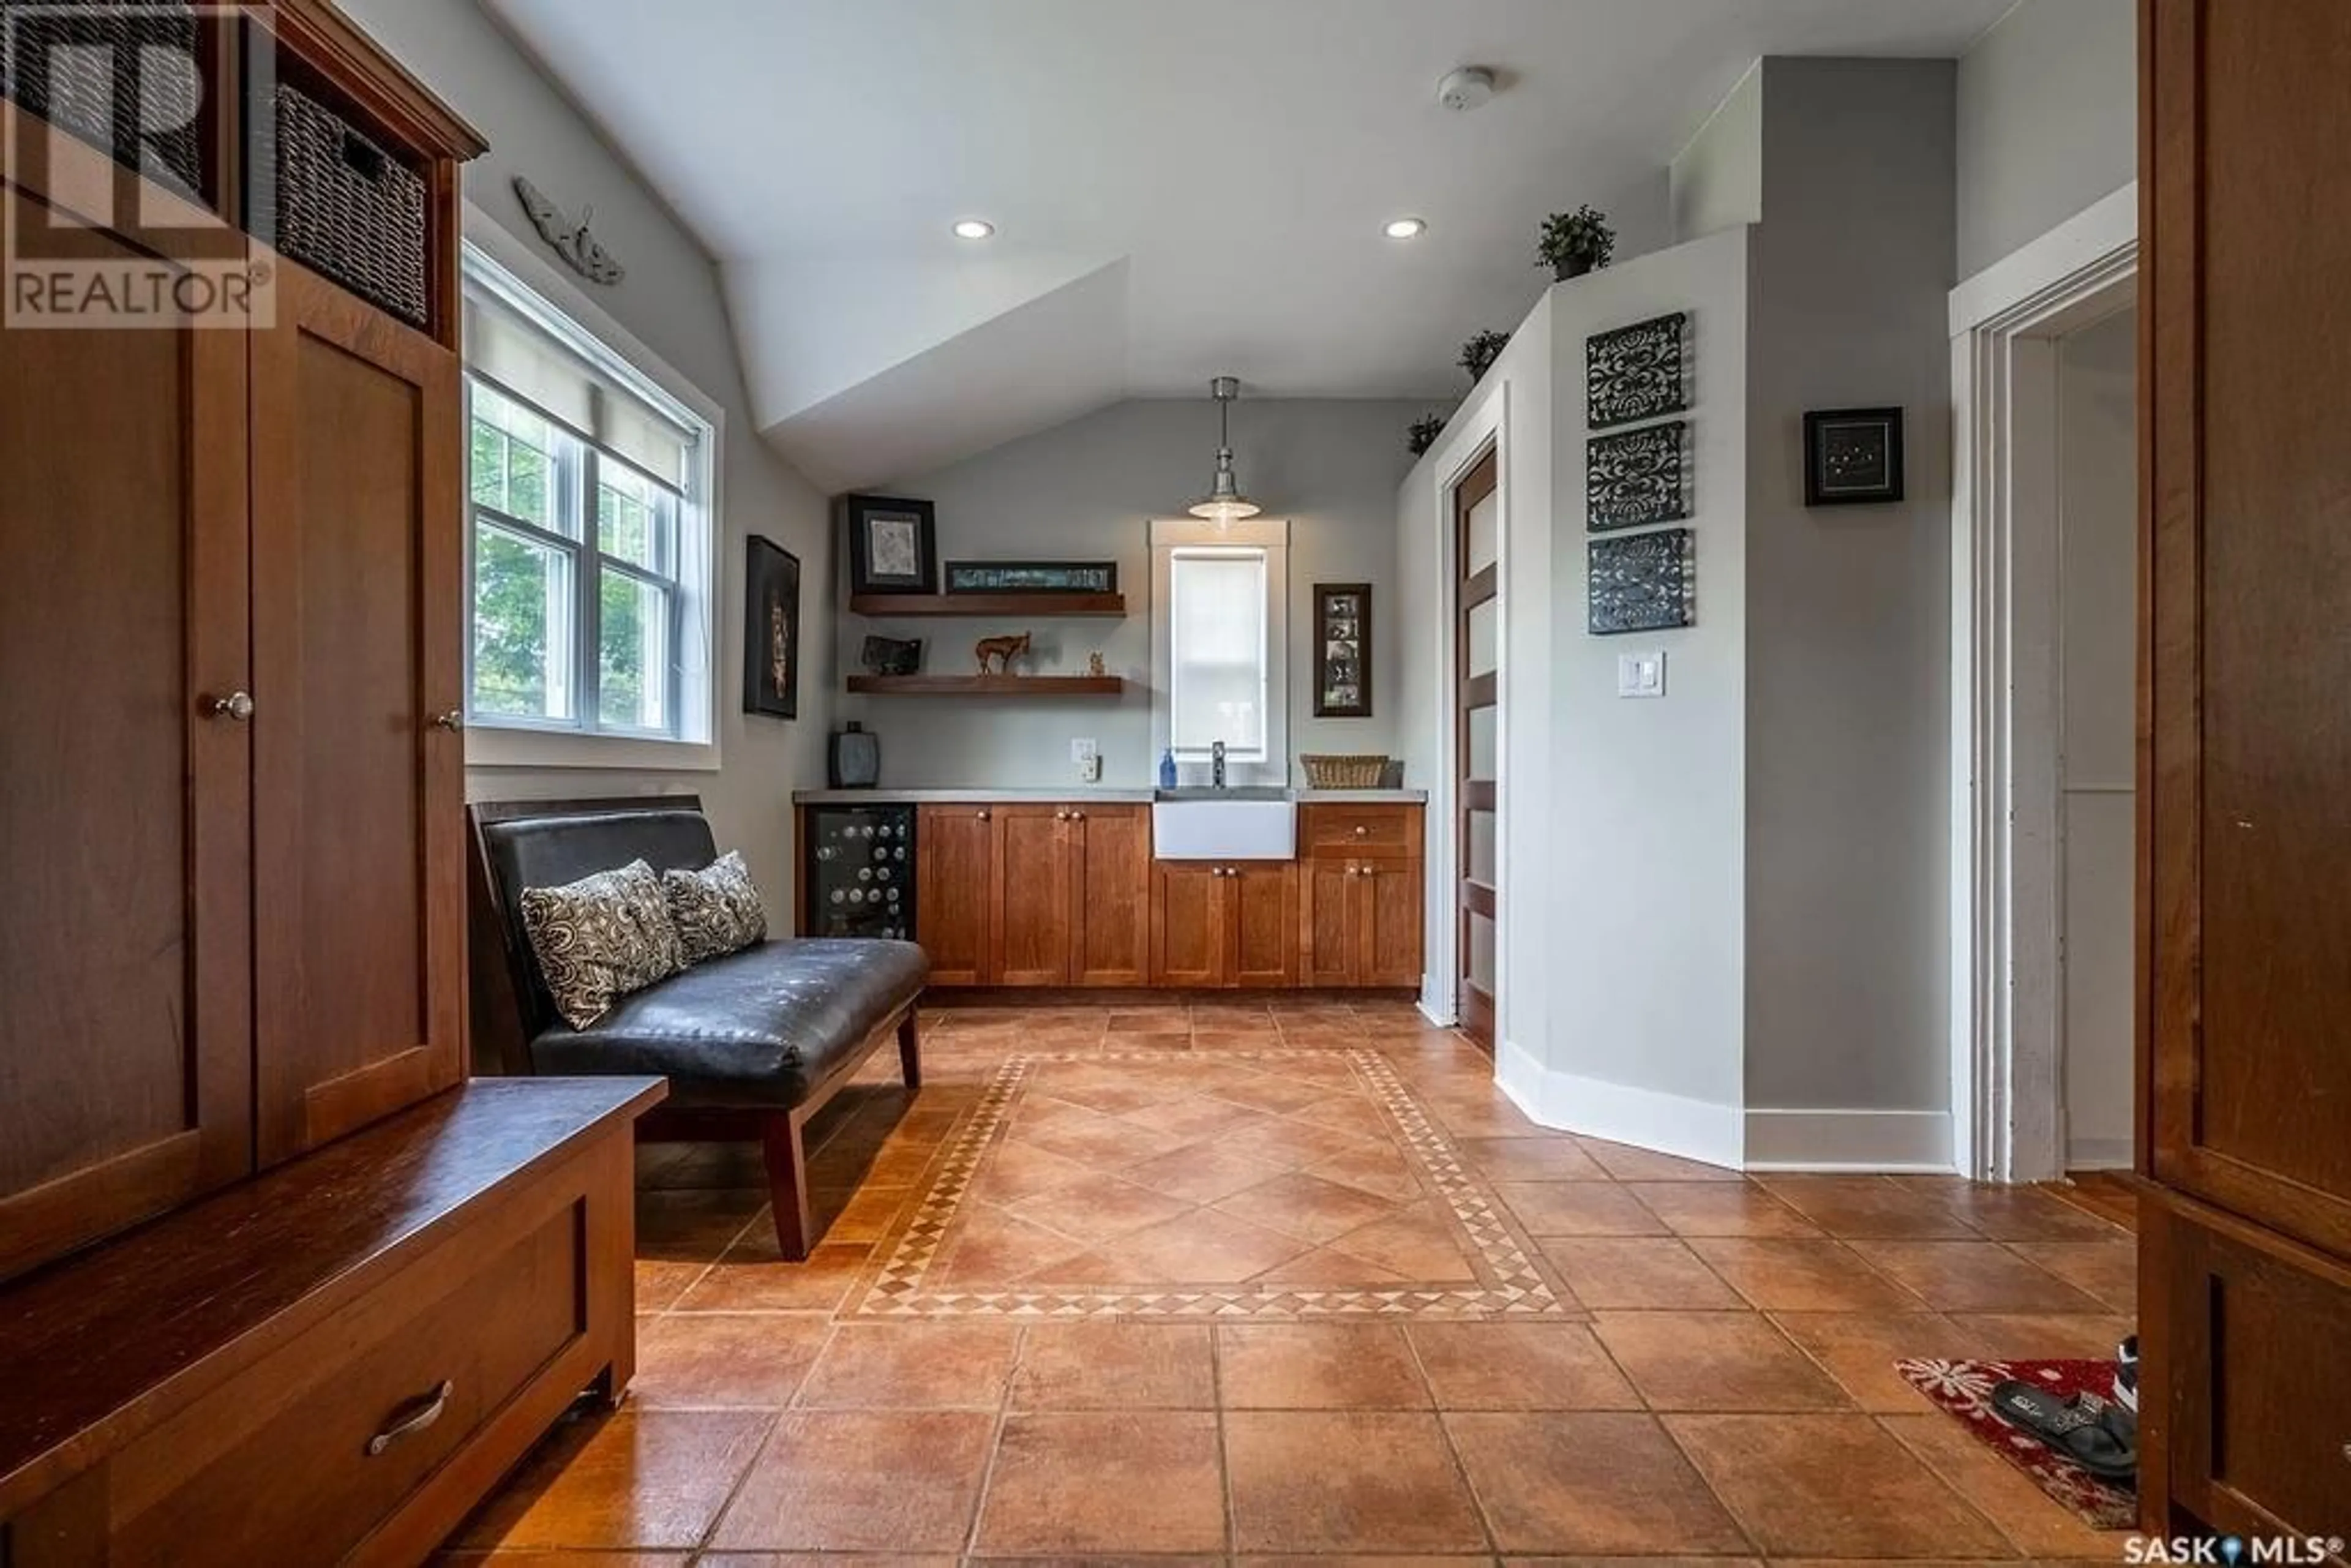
(505, 346)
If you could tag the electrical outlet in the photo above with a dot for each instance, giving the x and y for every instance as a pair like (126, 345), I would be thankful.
(1083, 751)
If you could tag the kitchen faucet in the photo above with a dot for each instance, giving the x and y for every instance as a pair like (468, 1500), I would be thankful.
(1217, 765)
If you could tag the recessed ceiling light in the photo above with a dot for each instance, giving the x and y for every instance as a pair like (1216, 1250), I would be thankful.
(974, 228)
(1405, 228)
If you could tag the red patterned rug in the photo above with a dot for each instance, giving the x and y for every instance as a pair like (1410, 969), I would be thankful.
(1964, 1389)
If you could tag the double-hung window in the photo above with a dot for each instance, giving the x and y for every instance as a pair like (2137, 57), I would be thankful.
(592, 543)
(1219, 640)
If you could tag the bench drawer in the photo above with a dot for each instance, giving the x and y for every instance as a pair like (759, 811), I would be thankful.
(1379, 830)
(326, 1440)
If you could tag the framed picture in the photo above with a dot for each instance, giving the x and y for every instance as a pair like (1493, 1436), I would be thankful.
(1852, 456)
(892, 655)
(1343, 650)
(771, 629)
(1643, 582)
(1636, 478)
(1637, 373)
(894, 546)
(1032, 577)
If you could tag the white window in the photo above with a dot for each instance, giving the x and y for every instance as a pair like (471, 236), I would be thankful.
(591, 560)
(1218, 639)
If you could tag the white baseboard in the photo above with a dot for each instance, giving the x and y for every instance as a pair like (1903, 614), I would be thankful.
(1669, 1123)
(2100, 1154)
(1435, 1005)
(1849, 1141)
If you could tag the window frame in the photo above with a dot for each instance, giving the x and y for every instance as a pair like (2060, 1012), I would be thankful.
(1173, 537)
(501, 266)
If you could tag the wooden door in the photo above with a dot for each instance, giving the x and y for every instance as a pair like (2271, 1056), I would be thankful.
(2246, 811)
(359, 768)
(1189, 939)
(1388, 897)
(1478, 603)
(1260, 909)
(955, 856)
(1031, 880)
(125, 983)
(1109, 895)
(1327, 948)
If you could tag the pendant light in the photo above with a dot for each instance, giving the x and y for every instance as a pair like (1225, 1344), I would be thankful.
(1224, 502)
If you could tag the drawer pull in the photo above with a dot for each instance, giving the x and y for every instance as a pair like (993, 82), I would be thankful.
(428, 1410)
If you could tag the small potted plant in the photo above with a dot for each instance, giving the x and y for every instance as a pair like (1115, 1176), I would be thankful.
(1424, 432)
(1573, 243)
(1478, 354)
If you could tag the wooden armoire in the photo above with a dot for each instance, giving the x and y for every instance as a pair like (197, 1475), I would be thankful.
(2245, 769)
(233, 960)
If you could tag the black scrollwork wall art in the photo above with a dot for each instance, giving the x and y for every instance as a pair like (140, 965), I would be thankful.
(1638, 477)
(1638, 373)
(1643, 582)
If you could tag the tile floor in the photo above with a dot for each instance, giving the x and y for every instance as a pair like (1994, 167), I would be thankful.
(1236, 1283)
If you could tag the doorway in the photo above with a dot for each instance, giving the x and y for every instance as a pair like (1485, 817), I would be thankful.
(1476, 685)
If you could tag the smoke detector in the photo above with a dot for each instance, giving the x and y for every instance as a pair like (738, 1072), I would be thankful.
(1465, 89)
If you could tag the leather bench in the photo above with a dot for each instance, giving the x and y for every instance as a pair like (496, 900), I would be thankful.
(752, 1043)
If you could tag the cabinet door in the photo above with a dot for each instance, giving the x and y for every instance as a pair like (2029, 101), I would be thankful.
(1188, 942)
(1326, 924)
(359, 789)
(1388, 897)
(1032, 895)
(955, 856)
(1262, 909)
(125, 988)
(1110, 882)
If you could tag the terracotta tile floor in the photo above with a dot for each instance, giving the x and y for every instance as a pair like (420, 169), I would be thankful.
(1235, 1284)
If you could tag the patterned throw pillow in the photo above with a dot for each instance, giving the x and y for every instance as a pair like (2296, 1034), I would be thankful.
(599, 938)
(718, 909)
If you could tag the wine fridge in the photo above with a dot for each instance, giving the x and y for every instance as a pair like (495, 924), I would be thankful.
(860, 871)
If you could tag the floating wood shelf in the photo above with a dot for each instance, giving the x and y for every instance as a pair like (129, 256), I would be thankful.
(988, 685)
(1107, 606)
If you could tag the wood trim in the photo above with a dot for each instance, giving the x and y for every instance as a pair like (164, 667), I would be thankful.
(1480, 795)
(1481, 588)
(1482, 691)
(41, 1222)
(368, 1094)
(1478, 898)
(1472, 692)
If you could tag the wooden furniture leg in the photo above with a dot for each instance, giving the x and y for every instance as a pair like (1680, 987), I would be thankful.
(910, 1050)
(787, 1184)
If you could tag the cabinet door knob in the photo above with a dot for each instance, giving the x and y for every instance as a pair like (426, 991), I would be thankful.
(1077, 816)
(1060, 816)
(1362, 830)
(981, 814)
(454, 720)
(237, 706)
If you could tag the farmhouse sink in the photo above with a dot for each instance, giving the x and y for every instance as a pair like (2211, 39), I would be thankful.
(1224, 825)
(1210, 792)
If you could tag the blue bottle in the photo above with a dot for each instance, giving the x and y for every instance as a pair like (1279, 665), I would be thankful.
(1168, 769)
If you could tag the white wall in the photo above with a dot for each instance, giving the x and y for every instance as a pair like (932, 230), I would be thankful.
(671, 301)
(1717, 181)
(2048, 121)
(1085, 490)
(2098, 595)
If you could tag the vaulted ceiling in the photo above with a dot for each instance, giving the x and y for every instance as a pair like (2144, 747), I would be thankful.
(1180, 188)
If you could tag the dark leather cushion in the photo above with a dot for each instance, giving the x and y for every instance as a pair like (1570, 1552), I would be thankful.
(756, 1028)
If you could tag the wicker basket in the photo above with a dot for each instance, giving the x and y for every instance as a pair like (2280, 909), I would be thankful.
(61, 65)
(1345, 772)
(345, 208)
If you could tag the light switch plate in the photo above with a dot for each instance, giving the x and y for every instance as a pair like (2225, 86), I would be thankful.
(1083, 751)
(1641, 674)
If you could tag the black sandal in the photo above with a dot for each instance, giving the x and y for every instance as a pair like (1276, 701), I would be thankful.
(2076, 1428)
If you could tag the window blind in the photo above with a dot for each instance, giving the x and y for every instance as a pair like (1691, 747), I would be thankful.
(514, 349)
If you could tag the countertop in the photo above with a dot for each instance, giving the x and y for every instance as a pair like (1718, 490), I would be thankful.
(1107, 796)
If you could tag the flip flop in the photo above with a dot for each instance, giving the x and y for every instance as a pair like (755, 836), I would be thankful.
(2076, 1428)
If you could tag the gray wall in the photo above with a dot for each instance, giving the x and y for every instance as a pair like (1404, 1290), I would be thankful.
(2048, 121)
(1848, 608)
(1086, 490)
(670, 301)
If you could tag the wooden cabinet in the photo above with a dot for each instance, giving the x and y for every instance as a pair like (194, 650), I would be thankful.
(954, 890)
(1361, 915)
(2245, 941)
(1222, 926)
(1032, 896)
(1109, 895)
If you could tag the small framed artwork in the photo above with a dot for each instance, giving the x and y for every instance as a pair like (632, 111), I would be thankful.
(1032, 577)
(771, 629)
(1636, 478)
(1637, 373)
(892, 655)
(1852, 456)
(1343, 650)
(1643, 582)
(893, 545)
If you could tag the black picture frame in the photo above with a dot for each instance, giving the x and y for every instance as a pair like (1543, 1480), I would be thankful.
(1638, 373)
(1343, 650)
(1852, 457)
(1643, 582)
(1637, 478)
(893, 545)
(891, 656)
(1031, 577)
(771, 629)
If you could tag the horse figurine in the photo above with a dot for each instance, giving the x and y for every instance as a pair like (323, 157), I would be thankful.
(1003, 650)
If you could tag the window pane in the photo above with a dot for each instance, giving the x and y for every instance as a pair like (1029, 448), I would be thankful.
(1485, 630)
(514, 461)
(1485, 540)
(1484, 732)
(522, 626)
(1480, 969)
(1481, 848)
(1217, 634)
(632, 653)
(636, 519)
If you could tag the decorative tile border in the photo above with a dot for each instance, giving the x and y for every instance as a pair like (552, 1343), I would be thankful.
(1513, 1288)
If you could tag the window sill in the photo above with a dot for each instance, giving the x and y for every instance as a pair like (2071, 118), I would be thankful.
(488, 745)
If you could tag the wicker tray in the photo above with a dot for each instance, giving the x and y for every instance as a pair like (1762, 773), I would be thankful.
(1355, 772)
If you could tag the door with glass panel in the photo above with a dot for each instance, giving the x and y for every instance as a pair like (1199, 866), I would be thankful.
(1477, 661)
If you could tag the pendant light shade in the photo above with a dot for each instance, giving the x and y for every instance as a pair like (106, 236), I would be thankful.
(1223, 503)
